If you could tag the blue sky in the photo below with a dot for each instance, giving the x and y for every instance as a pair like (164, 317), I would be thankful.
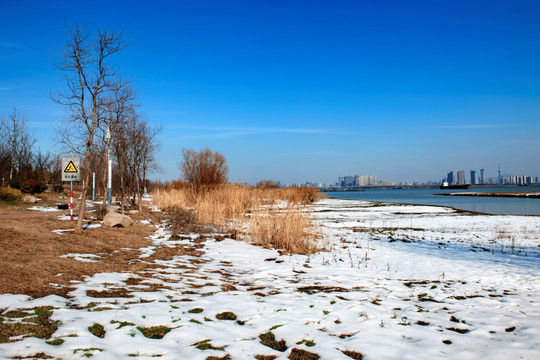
(306, 90)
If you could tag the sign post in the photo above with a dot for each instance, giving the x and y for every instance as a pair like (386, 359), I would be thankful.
(71, 172)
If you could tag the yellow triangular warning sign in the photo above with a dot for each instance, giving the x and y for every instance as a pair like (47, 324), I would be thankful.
(71, 168)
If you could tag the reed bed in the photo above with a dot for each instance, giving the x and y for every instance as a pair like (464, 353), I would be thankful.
(270, 217)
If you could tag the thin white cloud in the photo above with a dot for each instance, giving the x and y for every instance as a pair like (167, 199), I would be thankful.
(473, 126)
(9, 88)
(10, 45)
(229, 132)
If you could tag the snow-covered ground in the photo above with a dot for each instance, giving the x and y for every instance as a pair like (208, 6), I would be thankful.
(396, 282)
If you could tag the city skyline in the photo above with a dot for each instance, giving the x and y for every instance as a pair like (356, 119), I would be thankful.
(459, 177)
(293, 91)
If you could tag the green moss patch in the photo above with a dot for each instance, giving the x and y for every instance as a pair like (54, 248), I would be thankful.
(308, 343)
(35, 356)
(226, 357)
(97, 330)
(87, 352)
(205, 345)
(269, 339)
(56, 342)
(154, 332)
(35, 324)
(227, 315)
(122, 324)
(299, 354)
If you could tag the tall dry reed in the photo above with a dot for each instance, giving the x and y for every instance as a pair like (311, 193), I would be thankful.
(288, 227)
(270, 217)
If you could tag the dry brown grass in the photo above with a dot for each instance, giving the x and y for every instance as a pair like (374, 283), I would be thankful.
(31, 253)
(288, 228)
(271, 217)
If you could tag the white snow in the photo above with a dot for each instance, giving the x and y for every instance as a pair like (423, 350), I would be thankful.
(43, 208)
(395, 283)
(82, 257)
(62, 231)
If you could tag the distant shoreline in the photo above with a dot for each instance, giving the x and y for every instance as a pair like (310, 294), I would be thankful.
(526, 195)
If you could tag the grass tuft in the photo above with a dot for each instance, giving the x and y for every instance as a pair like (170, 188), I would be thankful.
(97, 330)
(122, 324)
(195, 311)
(55, 342)
(227, 315)
(353, 354)
(300, 354)
(154, 332)
(269, 339)
(205, 345)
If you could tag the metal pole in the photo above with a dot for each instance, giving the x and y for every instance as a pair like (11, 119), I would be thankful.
(71, 201)
(93, 186)
(109, 185)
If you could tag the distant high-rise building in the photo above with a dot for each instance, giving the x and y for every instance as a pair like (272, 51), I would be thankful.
(473, 177)
(450, 178)
(348, 181)
(461, 177)
(482, 176)
(363, 180)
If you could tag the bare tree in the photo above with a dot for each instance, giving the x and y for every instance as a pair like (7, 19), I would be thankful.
(204, 169)
(135, 147)
(43, 164)
(18, 145)
(119, 105)
(89, 78)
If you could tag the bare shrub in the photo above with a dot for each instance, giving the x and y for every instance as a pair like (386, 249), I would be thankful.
(263, 184)
(203, 170)
(9, 194)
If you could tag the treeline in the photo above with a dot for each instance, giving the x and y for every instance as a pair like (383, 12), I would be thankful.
(28, 168)
(22, 165)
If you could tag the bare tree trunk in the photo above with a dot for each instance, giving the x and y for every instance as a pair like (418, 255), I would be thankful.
(138, 189)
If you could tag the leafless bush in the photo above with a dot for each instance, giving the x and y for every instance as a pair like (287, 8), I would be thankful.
(265, 184)
(204, 170)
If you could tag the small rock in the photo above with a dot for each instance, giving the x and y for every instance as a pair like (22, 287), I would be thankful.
(30, 199)
(117, 220)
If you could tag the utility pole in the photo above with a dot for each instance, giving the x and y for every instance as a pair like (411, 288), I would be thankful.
(109, 183)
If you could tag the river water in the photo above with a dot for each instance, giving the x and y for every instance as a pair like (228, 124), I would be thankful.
(487, 205)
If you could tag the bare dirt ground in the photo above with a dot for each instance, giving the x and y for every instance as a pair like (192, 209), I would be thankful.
(30, 261)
